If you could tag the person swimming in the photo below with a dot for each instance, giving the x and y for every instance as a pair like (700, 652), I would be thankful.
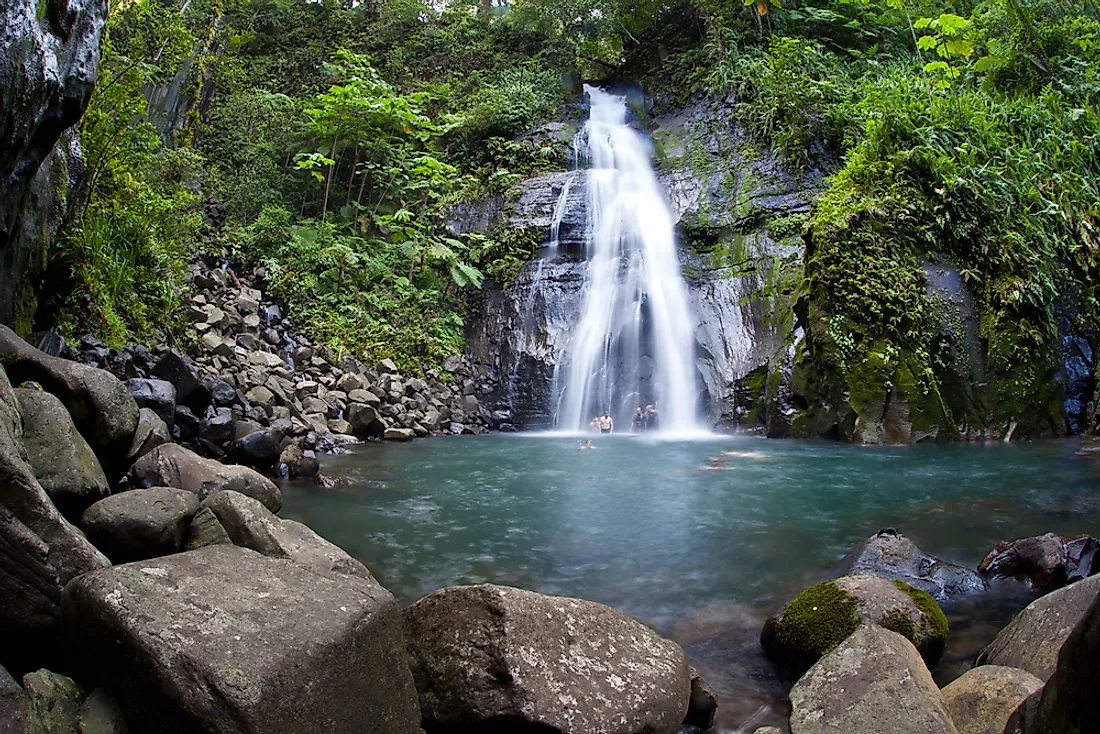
(582, 445)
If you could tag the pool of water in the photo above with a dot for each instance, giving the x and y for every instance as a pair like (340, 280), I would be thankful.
(702, 539)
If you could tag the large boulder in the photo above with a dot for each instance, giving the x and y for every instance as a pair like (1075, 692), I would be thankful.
(141, 523)
(982, 699)
(53, 703)
(1046, 561)
(49, 59)
(823, 616)
(251, 525)
(1068, 703)
(891, 555)
(1032, 639)
(172, 465)
(41, 550)
(875, 681)
(99, 403)
(13, 704)
(63, 462)
(176, 369)
(485, 656)
(223, 639)
(259, 449)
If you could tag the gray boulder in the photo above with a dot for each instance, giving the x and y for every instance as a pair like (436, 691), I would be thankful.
(206, 530)
(1068, 703)
(1033, 638)
(41, 550)
(365, 421)
(141, 523)
(875, 681)
(822, 616)
(100, 405)
(13, 704)
(982, 699)
(158, 396)
(703, 704)
(63, 462)
(1046, 561)
(890, 555)
(399, 434)
(485, 656)
(251, 525)
(151, 432)
(259, 449)
(223, 639)
(53, 703)
(297, 464)
(174, 466)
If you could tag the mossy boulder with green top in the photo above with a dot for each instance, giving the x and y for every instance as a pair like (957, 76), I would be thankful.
(823, 616)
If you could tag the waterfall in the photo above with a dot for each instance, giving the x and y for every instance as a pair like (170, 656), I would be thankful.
(633, 345)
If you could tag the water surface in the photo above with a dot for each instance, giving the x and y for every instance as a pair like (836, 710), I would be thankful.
(702, 539)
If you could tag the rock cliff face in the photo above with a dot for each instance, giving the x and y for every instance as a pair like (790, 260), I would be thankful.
(49, 56)
(739, 214)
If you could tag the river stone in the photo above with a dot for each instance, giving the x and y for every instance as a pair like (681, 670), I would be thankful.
(1033, 638)
(63, 462)
(1046, 561)
(100, 405)
(251, 525)
(54, 703)
(151, 432)
(176, 369)
(399, 434)
(982, 699)
(492, 655)
(298, 464)
(101, 714)
(891, 555)
(158, 396)
(41, 551)
(821, 617)
(174, 466)
(875, 681)
(206, 530)
(1068, 703)
(223, 639)
(141, 523)
(13, 704)
(259, 449)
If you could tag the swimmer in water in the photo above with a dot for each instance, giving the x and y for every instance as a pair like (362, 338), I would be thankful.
(716, 463)
(755, 455)
(582, 445)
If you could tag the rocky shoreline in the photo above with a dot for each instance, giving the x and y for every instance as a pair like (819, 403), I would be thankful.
(149, 588)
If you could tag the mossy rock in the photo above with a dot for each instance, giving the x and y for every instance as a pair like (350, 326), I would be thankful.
(823, 616)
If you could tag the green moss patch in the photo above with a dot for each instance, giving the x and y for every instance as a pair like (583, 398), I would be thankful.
(819, 619)
(929, 607)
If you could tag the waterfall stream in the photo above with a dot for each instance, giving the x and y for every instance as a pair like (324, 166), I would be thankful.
(633, 344)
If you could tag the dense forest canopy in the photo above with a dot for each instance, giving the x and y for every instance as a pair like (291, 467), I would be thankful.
(338, 136)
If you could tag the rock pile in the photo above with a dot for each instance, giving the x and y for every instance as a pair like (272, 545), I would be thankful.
(224, 617)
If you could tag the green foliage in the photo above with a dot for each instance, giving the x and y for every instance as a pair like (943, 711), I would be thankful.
(817, 620)
(131, 239)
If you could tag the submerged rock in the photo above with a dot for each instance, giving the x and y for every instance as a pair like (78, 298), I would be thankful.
(874, 682)
(823, 616)
(485, 656)
(223, 639)
(891, 555)
(1046, 561)
(1035, 636)
(982, 699)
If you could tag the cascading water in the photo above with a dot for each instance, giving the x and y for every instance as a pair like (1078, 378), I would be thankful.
(633, 345)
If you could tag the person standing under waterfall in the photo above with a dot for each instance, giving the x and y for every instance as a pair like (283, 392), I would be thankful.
(651, 418)
(637, 424)
(606, 424)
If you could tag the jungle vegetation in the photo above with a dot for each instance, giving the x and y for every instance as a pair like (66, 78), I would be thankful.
(339, 136)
